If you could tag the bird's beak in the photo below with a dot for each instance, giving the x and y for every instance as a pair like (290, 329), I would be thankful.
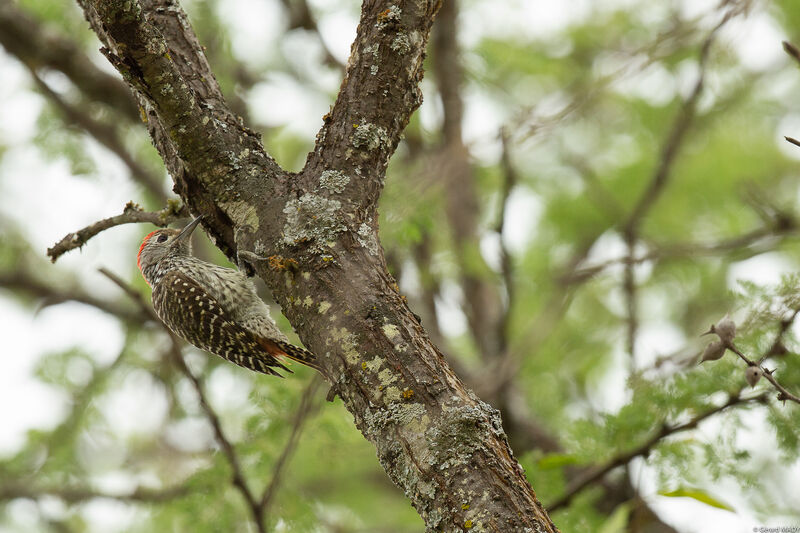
(187, 231)
(709, 332)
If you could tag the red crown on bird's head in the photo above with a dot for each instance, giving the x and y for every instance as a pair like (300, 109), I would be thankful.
(144, 243)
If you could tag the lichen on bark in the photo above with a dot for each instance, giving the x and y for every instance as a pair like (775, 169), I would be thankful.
(312, 220)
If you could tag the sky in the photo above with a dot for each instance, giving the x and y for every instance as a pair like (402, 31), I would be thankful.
(46, 201)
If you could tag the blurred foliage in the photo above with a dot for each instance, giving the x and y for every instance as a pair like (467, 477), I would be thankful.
(588, 109)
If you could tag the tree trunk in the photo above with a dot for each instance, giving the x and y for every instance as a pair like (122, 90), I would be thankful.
(318, 232)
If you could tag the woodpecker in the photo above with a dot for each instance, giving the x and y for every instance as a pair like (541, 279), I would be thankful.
(213, 307)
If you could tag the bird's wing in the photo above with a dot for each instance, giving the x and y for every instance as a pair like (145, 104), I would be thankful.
(191, 313)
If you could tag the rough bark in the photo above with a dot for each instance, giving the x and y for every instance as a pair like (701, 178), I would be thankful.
(443, 446)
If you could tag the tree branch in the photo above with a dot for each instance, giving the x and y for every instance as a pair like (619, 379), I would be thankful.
(482, 304)
(592, 475)
(72, 495)
(130, 215)
(661, 252)
(23, 281)
(432, 436)
(510, 180)
(657, 184)
(210, 155)
(379, 92)
(792, 50)
(300, 16)
(107, 136)
(238, 478)
(676, 136)
(783, 394)
(37, 46)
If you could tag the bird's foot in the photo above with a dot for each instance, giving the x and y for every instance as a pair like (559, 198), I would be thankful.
(246, 260)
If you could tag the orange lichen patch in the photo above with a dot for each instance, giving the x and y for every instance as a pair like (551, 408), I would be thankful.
(278, 262)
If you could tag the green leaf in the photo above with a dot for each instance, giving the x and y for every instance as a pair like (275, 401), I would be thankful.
(699, 495)
(618, 521)
(557, 460)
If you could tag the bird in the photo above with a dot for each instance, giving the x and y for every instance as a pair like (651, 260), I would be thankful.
(212, 307)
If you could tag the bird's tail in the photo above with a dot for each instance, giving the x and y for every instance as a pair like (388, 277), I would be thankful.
(295, 353)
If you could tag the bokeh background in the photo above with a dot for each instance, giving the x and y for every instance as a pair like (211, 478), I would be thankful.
(587, 186)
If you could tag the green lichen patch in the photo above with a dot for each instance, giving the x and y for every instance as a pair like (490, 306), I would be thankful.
(375, 364)
(376, 58)
(411, 421)
(390, 394)
(323, 307)
(401, 44)
(426, 489)
(391, 331)
(312, 219)
(368, 239)
(460, 432)
(333, 180)
(387, 376)
(370, 137)
(347, 343)
(397, 414)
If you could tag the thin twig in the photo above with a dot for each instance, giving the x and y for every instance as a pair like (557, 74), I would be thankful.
(306, 407)
(23, 281)
(792, 140)
(81, 494)
(130, 215)
(676, 137)
(659, 180)
(777, 347)
(629, 287)
(300, 16)
(593, 475)
(680, 250)
(510, 180)
(783, 394)
(529, 123)
(228, 450)
(792, 50)
(135, 295)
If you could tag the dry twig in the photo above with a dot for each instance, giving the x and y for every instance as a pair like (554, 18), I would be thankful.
(131, 214)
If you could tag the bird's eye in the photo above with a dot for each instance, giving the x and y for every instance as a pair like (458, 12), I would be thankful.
(161, 238)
